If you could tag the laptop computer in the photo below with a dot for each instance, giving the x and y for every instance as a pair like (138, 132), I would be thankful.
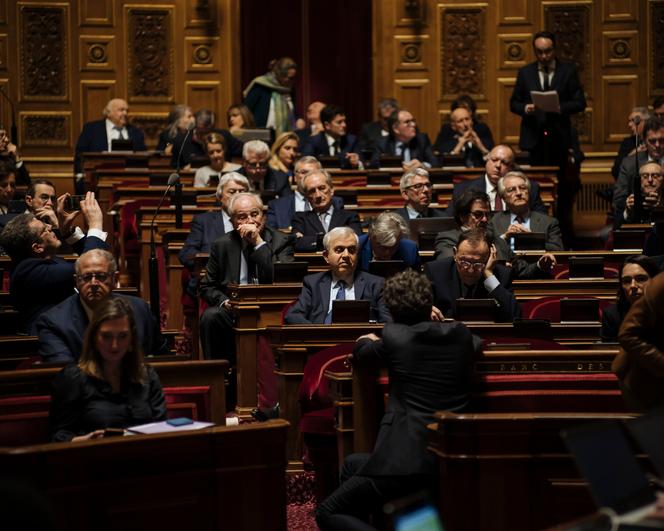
(350, 311)
(615, 478)
(648, 432)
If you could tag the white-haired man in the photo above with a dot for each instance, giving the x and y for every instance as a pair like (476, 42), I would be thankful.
(255, 155)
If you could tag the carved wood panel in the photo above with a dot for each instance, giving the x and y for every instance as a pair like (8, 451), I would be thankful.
(514, 12)
(622, 93)
(620, 48)
(45, 128)
(94, 96)
(514, 50)
(620, 10)
(202, 54)
(97, 53)
(152, 124)
(656, 55)
(95, 12)
(203, 94)
(508, 123)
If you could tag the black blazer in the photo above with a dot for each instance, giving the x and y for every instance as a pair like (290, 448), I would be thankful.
(447, 140)
(274, 180)
(223, 266)
(572, 100)
(93, 139)
(308, 223)
(317, 145)
(314, 300)
(428, 213)
(420, 149)
(447, 289)
(280, 211)
(205, 228)
(370, 135)
(535, 201)
(612, 318)
(430, 367)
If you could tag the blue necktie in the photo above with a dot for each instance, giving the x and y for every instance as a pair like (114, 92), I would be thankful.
(341, 296)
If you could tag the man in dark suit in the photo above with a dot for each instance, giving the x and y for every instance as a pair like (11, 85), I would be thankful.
(472, 273)
(323, 216)
(416, 189)
(333, 141)
(499, 161)
(636, 122)
(207, 227)
(405, 142)
(374, 132)
(653, 133)
(430, 367)
(191, 144)
(40, 279)
(549, 136)
(651, 180)
(255, 155)
(313, 125)
(243, 256)
(466, 141)
(61, 329)
(98, 135)
(514, 188)
(342, 282)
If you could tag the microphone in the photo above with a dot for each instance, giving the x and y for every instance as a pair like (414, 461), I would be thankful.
(176, 182)
(638, 195)
(153, 269)
(14, 131)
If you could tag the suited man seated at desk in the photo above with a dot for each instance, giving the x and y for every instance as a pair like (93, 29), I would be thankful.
(416, 190)
(324, 216)
(342, 282)
(280, 211)
(41, 279)
(98, 136)
(387, 239)
(243, 256)
(61, 329)
(652, 178)
(207, 227)
(514, 188)
(472, 273)
(430, 367)
(466, 141)
(334, 141)
(255, 156)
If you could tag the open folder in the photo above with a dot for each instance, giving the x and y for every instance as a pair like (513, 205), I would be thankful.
(546, 101)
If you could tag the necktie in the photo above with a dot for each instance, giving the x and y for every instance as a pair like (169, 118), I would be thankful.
(498, 203)
(335, 148)
(546, 86)
(252, 276)
(398, 149)
(341, 296)
(119, 130)
(323, 220)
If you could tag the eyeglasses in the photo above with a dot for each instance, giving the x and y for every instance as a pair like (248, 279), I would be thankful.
(514, 189)
(475, 266)
(639, 279)
(256, 166)
(651, 175)
(655, 140)
(244, 216)
(101, 277)
(412, 121)
(419, 186)
(480, 214)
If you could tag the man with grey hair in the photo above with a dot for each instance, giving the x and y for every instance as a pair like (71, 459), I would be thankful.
(343, 281)
(387, 239)
(416, 189)
(98, 135)
(373, 132)
(207, 227)
(245, 255)
(255, 155)
(514, 188)
(636, 121)
(61, 329)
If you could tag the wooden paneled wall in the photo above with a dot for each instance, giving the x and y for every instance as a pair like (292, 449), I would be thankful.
(427, 53)
(61, 61)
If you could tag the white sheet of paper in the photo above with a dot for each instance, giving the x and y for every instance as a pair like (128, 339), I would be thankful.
(164, 427)
(547, 101)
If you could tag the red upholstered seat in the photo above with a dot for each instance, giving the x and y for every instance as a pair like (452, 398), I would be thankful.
(549, 308)
(561, 271)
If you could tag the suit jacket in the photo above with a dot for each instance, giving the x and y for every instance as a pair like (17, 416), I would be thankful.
(447, 140)
(572, 100)
(317, 145)
(626, 147)
(223, 266)
(612, 318)
(553, 240)
(447, 289)
(61, 329)
(93, 138)
(534, 199)
(308, 223)
(428, 213)
(406, 251)
(274, 180)
(420, 149)
(38, 284)
(625, 185)
(280, 211)
(205, 228)
(192, 148)
(314, 300)
(430, 367)
(371, 135)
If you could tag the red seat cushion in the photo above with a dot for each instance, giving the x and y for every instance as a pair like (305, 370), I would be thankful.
(319, 421)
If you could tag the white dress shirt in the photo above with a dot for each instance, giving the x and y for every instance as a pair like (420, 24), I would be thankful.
(114, 134)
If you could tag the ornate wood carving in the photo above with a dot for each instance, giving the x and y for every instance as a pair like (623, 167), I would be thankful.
(202, 54)
(656, 66)
(97, 52)
(463, 52)
(410, 53)
(620, 48)
(150, 56)
(3, 52)
(152, 124)
(45, 129)
(513, 50)
(583, 123)
(44, 72)
(201, 13)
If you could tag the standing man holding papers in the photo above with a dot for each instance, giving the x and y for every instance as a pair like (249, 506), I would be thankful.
(549, 136)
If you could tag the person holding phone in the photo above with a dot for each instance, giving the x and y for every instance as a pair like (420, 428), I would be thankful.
(110, 388)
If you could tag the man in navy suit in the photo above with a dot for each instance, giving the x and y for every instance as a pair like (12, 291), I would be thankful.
(333, 141)
(499, 161)
(416, 189)
(40, 279)
(323, 216)
(98, 135)
(472, 273)
(405, 142)
(473, 145)
(61, 329)
(255, 155)
(388, 240)
(342, 282)
(207, 227)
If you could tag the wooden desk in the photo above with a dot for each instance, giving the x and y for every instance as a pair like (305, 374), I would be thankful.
(224, 478)
(534, 289)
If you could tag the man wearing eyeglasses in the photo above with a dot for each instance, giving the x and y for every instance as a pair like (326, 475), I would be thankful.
(417, 191)
(255, 155)
(243, 256)
(636, 122)
(651, 192)
(472, 273)
(61, 329)
(653, 134)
